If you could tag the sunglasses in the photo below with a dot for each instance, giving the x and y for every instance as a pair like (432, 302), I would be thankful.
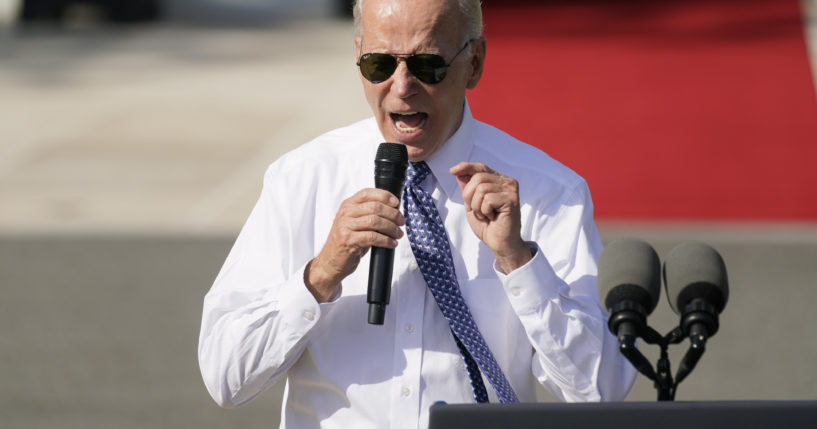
(428, 68)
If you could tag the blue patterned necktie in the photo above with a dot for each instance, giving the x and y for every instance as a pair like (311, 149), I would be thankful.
(429, 243)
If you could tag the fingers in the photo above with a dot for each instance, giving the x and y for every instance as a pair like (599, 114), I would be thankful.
(375, 216)
(369, 218)
(490, 204)
(485, 192)
(470, 168)
(374, 231)
(465, 170)
(375, 195)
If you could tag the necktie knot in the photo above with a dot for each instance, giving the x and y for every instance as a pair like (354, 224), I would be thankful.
(416, 173)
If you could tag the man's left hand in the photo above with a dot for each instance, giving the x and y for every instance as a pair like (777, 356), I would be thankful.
(492, 207)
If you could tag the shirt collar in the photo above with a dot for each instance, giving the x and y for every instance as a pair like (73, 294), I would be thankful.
(455, 150)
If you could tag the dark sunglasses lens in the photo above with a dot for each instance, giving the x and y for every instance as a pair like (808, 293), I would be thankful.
(377, 67)
(429, 68)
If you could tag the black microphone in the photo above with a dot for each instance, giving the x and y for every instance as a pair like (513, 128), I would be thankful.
(697, 286)
(697, 289)
(629, 277)
(389, 173)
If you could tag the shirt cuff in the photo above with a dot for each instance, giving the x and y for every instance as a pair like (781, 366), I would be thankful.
(531, 284)
(299, 308)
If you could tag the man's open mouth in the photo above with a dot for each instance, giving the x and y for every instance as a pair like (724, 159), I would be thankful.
(409, 122)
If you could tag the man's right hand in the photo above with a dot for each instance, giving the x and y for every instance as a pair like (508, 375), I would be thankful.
(369, 218)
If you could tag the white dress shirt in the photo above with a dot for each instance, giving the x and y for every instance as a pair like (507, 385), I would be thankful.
(542, 322)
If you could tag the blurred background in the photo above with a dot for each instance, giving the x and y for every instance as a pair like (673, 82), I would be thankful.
(134, 136)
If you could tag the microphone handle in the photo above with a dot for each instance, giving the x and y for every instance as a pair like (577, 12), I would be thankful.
(390, 166)
(380, 273)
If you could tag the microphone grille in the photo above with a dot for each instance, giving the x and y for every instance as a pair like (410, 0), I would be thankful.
(629, 269)
(392, 152)
(695, 270)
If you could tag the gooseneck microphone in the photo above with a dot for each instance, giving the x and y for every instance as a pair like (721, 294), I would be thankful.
(389, 173)
(697, 289)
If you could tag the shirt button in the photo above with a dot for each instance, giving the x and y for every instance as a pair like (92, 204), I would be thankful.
(515, 291)
(406, 392)
(409, 328)
(413, 266)
(308, 315)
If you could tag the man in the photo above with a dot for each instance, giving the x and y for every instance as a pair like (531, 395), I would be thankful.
(520, 254)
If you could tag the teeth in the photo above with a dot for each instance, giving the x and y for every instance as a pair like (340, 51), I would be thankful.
(404, 129)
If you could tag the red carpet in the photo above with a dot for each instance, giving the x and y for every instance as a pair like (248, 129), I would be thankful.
(685, 110)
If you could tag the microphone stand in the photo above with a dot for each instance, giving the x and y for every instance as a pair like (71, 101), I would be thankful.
(662, 376)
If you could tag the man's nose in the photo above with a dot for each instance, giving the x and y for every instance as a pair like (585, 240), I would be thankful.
(404, 83)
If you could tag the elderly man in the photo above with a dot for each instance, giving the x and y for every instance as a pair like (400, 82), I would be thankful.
(513, 299)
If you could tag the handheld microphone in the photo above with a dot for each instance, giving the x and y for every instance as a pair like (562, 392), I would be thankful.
(697, 289)
(629, 277)
(390, 166)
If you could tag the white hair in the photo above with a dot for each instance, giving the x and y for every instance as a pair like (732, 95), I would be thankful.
(471, 11)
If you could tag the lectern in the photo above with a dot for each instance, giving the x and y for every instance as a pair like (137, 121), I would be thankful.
(628, 415)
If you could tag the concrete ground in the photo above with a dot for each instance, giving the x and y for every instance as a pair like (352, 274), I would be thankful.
(100, 331)
(161, 128)
(130, 157)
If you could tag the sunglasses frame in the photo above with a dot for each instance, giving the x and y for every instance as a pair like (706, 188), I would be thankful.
(439, 73)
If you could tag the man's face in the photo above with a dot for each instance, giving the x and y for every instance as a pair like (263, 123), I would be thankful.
(420, 115)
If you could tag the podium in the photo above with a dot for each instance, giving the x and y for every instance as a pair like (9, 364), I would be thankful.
(629, 415)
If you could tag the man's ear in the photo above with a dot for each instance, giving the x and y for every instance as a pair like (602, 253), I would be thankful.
(357, 47)
(477, 61)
